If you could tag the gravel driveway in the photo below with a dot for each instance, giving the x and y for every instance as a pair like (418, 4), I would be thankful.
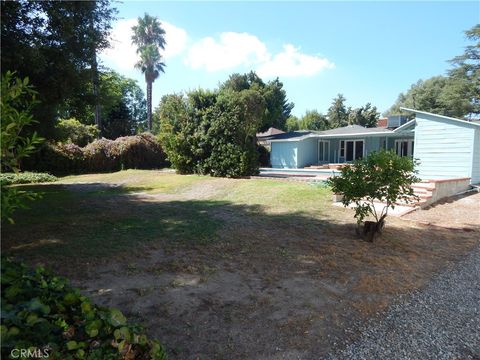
(440, 322)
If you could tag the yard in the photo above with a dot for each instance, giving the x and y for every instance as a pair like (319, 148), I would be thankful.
(227, 268)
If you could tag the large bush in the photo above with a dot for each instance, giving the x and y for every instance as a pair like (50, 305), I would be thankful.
(212, 133)
(73, 131)
(43, 314)
(130, 152)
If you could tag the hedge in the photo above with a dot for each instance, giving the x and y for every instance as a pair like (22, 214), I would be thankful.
(130, 152)
(25, 178)
(43, 314)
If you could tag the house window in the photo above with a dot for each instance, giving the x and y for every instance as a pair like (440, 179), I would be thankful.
(351, 149)
(404, 147)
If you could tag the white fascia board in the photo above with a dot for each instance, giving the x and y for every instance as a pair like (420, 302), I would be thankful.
(441, 116)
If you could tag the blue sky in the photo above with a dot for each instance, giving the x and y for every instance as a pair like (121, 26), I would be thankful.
(368, 51)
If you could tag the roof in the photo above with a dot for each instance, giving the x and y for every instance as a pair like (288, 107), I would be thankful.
(292, 135)
(353, 130)
(459, 121)
(270, 132)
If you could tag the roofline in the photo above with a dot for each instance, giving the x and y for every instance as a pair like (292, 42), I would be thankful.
(380, 133)
(440, 116)
(407, 124)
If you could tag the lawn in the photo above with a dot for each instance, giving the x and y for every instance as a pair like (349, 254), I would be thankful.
(226, 268)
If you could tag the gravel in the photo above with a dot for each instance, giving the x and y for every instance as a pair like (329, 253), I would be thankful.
(442, 321)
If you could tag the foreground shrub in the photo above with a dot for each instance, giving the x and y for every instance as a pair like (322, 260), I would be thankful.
(130, 152)
(41, 312)
(383, 177)
(25, 178)
(17, 101)
(73, 131)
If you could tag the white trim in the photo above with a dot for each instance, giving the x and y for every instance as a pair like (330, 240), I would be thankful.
(407, 124)
(344, 157)
(410, 143)
(441, 116)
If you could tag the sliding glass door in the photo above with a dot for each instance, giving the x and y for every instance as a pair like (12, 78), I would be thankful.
(351, 149)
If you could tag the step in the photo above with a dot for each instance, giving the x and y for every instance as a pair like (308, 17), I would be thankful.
(424, 186)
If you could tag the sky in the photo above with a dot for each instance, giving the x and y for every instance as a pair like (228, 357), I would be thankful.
(367, 51)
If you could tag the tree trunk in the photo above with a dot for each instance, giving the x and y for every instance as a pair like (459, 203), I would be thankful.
(95, 83)
(371, 230)
(149, 105)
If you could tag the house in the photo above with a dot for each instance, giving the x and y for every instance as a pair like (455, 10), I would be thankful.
(264, 138)
(445, 147)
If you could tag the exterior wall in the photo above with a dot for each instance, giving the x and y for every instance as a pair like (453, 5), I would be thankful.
(284, 154)
(444, 149)
(307, 153)
(476, 158)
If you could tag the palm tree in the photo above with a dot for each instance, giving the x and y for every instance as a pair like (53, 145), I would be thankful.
(149, 37)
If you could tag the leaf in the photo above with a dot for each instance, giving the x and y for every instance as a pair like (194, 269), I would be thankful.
(116, 318)
(72, 345)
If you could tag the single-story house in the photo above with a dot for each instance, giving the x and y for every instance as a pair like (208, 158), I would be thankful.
(264, 138)
(445, 147)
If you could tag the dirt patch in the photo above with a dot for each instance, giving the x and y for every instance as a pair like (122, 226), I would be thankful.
(257, 284)
(461, 211)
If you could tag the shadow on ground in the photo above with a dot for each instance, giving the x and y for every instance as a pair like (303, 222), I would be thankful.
(215, 279)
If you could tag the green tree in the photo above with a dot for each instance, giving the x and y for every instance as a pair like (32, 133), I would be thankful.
(466, 72)
(17, 101)
(292, 123)
(54, 44)
(382, 177)
(313, 120)
(366, 116)
(73, 131)
(277, 109)
(149, 37)
(337, 113)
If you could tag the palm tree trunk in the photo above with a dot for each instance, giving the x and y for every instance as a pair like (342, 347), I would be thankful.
(149, 105)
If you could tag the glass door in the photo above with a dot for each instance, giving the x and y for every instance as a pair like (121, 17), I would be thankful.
(323, 151)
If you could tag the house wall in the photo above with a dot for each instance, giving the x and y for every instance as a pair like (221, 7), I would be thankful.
(284, 154)
(443, 148)
(476, 158)
(307, 152)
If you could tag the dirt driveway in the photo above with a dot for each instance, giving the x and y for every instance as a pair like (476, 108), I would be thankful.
(461, 211)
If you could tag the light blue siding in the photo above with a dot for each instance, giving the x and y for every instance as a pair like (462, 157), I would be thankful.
(284, 154)
(307, 152)
(444, 148)
(476, 158)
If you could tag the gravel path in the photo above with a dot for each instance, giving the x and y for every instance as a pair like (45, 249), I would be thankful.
(440, 322)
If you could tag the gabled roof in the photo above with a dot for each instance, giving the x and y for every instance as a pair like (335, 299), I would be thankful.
(451, 119)
(270, 132)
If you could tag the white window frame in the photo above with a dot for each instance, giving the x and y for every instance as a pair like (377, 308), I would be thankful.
(410, 143)
(354, 148)
(323, 161)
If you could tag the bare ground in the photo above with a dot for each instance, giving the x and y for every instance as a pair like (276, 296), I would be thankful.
(270, 286)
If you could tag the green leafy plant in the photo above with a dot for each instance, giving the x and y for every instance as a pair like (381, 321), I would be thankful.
(17, 101)
(73, 131)
(381, 177)
(25, 178)
(43, 313)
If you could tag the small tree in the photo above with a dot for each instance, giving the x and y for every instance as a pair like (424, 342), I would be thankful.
(17, 100)
(382, 176)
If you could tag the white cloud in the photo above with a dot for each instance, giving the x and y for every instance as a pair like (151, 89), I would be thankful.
(232, 50)
(292, 63)
(123, 54)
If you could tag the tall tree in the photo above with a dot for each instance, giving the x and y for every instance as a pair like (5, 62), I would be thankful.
(54, 44)
(149, 37)
(466, 70)
(313, 120)
(366, 116)
(337, 113)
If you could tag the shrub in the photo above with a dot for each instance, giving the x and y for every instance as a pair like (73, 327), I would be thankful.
(383, 177)
(41, 312)
(17, 101)
(25, 178)
(73, 131)
(264, 156)
(130, 152)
